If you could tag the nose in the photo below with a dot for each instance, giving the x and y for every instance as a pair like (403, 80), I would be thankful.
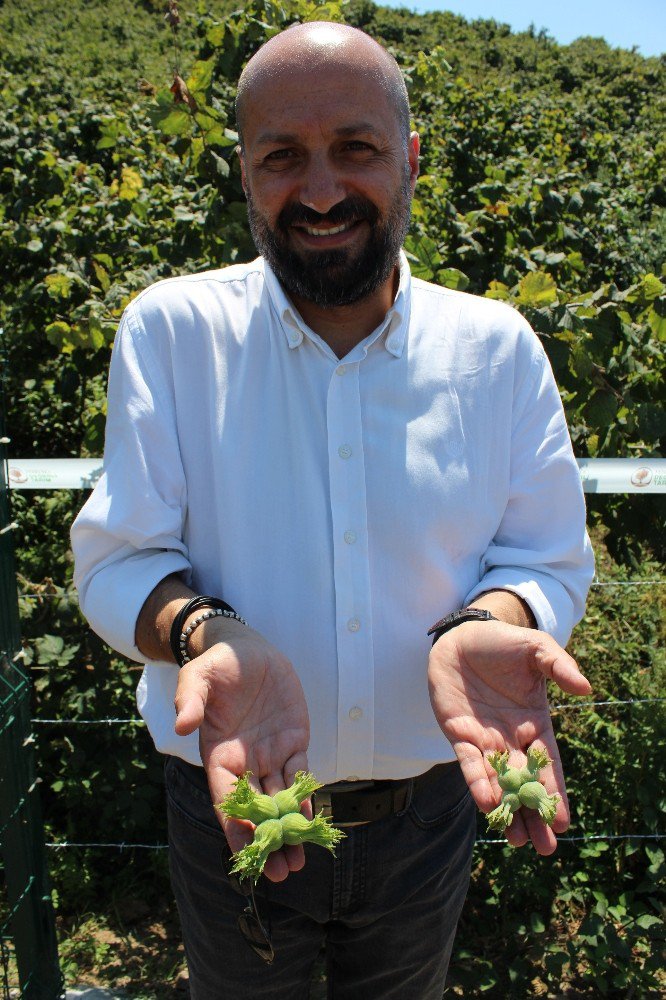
(321, 185)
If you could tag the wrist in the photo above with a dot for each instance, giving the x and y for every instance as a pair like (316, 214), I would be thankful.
(212, 632)
(457, 618)
(193, 614)
(507, 607)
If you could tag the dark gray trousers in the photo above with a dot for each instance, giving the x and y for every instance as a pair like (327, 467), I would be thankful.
(386, 907)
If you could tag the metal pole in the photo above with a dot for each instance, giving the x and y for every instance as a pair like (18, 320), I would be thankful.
(27, 925)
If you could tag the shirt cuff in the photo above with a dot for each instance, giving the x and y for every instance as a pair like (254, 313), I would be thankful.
(547, 599)
(115, 595)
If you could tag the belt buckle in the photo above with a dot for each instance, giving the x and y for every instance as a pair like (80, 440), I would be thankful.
(322, 803)
(322, 798)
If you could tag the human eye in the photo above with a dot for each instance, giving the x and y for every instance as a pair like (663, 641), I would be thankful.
(276, 155)
(358, 146)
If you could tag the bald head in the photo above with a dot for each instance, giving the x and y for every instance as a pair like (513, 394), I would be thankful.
(317, 44)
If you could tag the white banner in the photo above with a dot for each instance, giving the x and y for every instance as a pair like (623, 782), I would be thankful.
(53, 473)
(598, 475)
(623, 475)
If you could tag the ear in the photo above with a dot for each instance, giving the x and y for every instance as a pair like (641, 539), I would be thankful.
(241, 158)
(413, 149)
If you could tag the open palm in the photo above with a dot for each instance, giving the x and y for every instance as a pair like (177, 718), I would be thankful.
(248, 704)
(487, 683)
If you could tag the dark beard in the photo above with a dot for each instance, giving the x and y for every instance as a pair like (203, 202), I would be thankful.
(334, 277)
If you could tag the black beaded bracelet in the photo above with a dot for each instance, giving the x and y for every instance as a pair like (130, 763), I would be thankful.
(199, 620)
(187, 609)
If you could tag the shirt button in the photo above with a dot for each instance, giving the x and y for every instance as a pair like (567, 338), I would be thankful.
(342, 370)
(353, 624)
(350, 537)
(355, 713)
(344, 451)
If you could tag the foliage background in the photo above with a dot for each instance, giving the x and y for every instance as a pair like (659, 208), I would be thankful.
(542, 184)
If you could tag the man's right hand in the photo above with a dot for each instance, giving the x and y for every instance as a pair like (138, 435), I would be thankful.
(247, 702)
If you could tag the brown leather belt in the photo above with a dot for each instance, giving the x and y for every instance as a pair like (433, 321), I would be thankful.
(352, 802)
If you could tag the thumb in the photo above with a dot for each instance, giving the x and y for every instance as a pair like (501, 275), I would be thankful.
(556, 664)
(190, 700)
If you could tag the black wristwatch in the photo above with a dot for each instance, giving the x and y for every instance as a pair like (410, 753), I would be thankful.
(457, 618)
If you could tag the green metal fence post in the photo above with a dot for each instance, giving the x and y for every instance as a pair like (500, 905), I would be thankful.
(28, 944)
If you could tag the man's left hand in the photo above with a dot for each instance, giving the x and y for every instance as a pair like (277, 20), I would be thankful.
(487, 683)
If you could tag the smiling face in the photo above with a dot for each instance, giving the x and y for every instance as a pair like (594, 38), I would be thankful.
(327, 168)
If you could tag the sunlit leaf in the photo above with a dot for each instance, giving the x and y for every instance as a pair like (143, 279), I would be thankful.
(537, 289)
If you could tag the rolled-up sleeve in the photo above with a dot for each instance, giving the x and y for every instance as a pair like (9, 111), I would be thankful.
(541, 550)
(129, 534)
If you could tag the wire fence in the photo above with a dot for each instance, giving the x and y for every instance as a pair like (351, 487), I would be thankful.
(580, 706)
(55, 593)
(564, 707)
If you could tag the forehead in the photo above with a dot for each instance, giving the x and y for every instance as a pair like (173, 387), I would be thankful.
(318, 100)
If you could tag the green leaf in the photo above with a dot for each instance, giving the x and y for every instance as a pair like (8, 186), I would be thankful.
(176, 122)
(537, 924)
(102, 276)
(576, 262)
(600, 409)
(537, 289)
(423, 255)
(49, 648)
(212, 165)
(651, 421)
(498, 290)
(657, 320)
(647, 920)
(59, 286)
(451, 277)
(58, 333)
(650, 287)
(201, 76)
(581, 364)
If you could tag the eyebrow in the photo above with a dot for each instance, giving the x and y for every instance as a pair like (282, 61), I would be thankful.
(344, 131)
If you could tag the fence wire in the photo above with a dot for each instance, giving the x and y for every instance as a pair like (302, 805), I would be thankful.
(576, 838)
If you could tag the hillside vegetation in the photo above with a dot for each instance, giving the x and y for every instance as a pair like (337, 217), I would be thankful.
(542, 184)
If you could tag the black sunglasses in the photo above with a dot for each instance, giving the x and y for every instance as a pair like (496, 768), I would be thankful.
(250, 924)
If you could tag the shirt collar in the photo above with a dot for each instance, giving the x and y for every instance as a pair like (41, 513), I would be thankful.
(393, 327)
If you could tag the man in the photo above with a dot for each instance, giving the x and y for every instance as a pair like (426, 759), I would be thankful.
(344, 455)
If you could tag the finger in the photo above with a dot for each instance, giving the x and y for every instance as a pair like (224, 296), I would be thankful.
(541, 835)
(473, 766)
(297, 762)
(516, 834)
(295, 856)
(274, 782)
(190, 701)
(552, 777)
(556, 664)
(276, 868)
(238, 833)
(221, 782)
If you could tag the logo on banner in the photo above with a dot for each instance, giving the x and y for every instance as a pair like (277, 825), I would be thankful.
(642, 476)
(17, 475)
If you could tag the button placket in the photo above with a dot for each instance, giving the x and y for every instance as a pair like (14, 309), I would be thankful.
(352, 573)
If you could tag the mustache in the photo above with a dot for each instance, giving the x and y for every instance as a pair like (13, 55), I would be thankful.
(350, 209)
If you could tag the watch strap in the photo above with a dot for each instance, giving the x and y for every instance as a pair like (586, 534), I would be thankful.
(457, 618)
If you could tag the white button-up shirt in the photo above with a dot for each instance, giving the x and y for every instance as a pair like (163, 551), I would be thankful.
(341, 506)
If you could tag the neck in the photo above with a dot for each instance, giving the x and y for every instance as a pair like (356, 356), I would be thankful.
(343, 327)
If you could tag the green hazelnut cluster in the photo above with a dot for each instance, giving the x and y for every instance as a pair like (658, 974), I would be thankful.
(521, 787)
(278, 820)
